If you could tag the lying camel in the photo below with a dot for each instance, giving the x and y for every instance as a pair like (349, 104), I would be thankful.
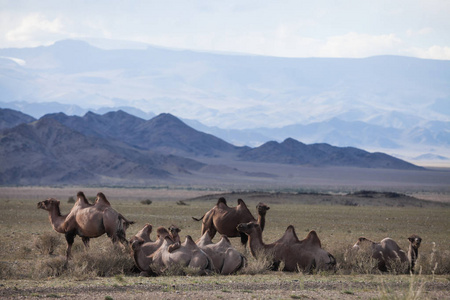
(388, 250)
(296, 254)
(226, 259)
(142, 249)
(187, 254)
(88, 221)
(224, 219)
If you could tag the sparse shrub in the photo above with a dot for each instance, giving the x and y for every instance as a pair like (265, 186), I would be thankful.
(146, 202)
(259, 265)
(49, 267)
(6, 271)
(181, 202)
(47, 243)
(71, 200)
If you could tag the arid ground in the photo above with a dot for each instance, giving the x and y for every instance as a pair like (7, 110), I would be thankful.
(28, 271)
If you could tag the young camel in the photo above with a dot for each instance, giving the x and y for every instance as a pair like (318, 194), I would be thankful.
(187, 254)
(224, 219)
(296, 254)
(142, 249)
(87, 221)
(388, 250)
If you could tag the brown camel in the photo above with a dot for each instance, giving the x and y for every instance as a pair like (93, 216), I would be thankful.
(224, 219)
(226, 259)
(296, 254)
(89, 221)
(187, 254)
(387, 251)
(174, 230)
(142, 250)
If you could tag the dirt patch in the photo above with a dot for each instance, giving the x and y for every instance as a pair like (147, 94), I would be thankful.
(234, 287)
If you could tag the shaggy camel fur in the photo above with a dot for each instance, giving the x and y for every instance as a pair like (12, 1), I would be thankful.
(90, 221)
(226, 259)
(296, 254)
(387, 251)
(142, 250)
(224, 219)
(187, 254)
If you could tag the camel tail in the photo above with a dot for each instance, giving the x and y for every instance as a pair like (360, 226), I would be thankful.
(195, 219)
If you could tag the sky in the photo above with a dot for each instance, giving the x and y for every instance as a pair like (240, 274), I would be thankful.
(319, 28)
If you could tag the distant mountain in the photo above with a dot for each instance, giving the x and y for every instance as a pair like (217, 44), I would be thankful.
(46, 152)
(164, 133)
(294, 152)
(383, 103)
(10, 118)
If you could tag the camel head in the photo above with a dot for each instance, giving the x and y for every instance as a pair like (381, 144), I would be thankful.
(247, 228)
(415, 241)
(362, 243)
(174, 230)
(48, 204)
(262, 208)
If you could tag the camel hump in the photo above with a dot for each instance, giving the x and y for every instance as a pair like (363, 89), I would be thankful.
(161, 231)
(189, 241)
(226, 239)
(82, 197)
(101, 198)
(222, 200)
(313, 238)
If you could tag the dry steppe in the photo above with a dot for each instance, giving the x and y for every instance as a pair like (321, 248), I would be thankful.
(339, 219)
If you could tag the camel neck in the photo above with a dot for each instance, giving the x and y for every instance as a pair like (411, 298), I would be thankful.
(256, 242)
(56, 219)
(262, 221)
(412, 255)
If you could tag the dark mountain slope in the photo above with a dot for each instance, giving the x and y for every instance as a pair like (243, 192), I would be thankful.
(46, 151)
(10, 118)
(164, 133)
(291, 151)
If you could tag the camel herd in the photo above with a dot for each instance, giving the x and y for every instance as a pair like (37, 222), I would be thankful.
(153, 257)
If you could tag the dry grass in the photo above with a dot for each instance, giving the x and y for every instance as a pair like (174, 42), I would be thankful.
(31, 250)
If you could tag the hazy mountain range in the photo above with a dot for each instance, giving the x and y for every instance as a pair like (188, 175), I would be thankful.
(396, 105)
(117, 147)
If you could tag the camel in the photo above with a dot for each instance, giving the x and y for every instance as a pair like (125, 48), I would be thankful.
(174, 233)
(296, 255)
(142, 249)
(187, 254)
(88, 221)
(388, 250)
(226, 259)
(224, 219)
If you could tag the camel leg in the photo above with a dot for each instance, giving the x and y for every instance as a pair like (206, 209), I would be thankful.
(86, 242)
(70, 238)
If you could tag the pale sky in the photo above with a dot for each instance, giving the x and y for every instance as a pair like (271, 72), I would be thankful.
(319, 28)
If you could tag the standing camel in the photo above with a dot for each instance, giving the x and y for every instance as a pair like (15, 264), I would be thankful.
(387, 251)
(224, 219)
(87, 221)
(296, 254)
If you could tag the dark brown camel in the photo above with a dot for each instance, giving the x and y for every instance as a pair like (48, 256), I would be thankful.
(89, 221)
(296, 255)
(224, 219)
(142, 250)
(387, 251)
